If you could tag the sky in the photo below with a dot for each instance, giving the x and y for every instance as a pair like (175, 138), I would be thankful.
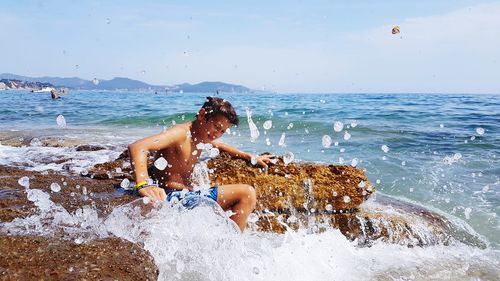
(283, 46)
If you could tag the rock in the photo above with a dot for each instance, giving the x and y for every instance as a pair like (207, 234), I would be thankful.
(35, 257)
(89, 147)
(299, 186)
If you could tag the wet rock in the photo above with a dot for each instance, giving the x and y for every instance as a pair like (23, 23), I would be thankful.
(89, 147)
(301, 186)
(39, 258)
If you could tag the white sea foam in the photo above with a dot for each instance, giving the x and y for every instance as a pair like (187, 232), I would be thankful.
(203, 244)
(41, 158)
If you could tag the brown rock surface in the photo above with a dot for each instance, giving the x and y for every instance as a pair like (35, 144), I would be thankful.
(41, 258)
(299, 186)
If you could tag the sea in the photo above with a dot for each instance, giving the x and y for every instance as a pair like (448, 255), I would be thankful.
(440, 151)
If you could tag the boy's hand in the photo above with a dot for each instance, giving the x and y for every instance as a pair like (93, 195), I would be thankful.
(153, 192)
(264, 159)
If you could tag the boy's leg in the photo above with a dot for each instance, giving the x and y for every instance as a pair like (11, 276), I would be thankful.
(240, 198)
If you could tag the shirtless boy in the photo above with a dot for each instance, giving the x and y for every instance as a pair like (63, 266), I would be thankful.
(178, 145)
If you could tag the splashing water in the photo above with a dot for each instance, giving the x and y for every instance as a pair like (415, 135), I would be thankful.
(203, 243)
(61, 121)
(326, 141)
(384, 148)
(254, 131)
(288, 158)
(338, 126)
(268, 124)
(480, 131)
(282, 140)
(448, 160)
(125, 184)
(24, 182)
(161, 163)
(55, 187)
(347, 135)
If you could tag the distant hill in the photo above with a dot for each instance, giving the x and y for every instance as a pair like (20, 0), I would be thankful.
(210, 87)
(121, 83)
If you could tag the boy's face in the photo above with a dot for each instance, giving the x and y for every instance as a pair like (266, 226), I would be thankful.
(216, 126)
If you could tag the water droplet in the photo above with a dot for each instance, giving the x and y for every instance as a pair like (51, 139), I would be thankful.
(485, 189)
(326, 141)
(282, 140)
(322, 101)
(288, 158)
(200, 146)
(338, 126)
(254, 131)
(347, 199)
(24, 182)
(480, 131)
(355, 162)
(354, 123)
(411, 189)
(268, 124)
(144, 72)
(385, 148)
(347, 136)
(377, 181)
(161, 163)
(125, 184)
(61, 121)
(214, 152)
(55, 187)
(289, 126)
(403, 163)
(95, 81)
(268, 141)
(253, 160)
(329, 207)
(441, 125)
(362, 184)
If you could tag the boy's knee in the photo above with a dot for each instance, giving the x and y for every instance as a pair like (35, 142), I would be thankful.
(250, 194)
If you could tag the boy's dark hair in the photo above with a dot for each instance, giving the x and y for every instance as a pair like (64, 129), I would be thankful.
(216, 106)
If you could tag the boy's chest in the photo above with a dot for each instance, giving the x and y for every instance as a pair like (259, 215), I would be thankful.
(186, 154)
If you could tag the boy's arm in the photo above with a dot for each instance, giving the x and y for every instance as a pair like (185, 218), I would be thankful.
(234, 152)
(139, 151)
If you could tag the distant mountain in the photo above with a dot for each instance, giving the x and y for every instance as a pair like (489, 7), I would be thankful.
(210, 87)
(120, 83)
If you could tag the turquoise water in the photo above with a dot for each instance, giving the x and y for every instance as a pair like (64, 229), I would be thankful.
(443, 150)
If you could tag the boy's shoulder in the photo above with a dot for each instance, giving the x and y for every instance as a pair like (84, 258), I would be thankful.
(179, 131)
